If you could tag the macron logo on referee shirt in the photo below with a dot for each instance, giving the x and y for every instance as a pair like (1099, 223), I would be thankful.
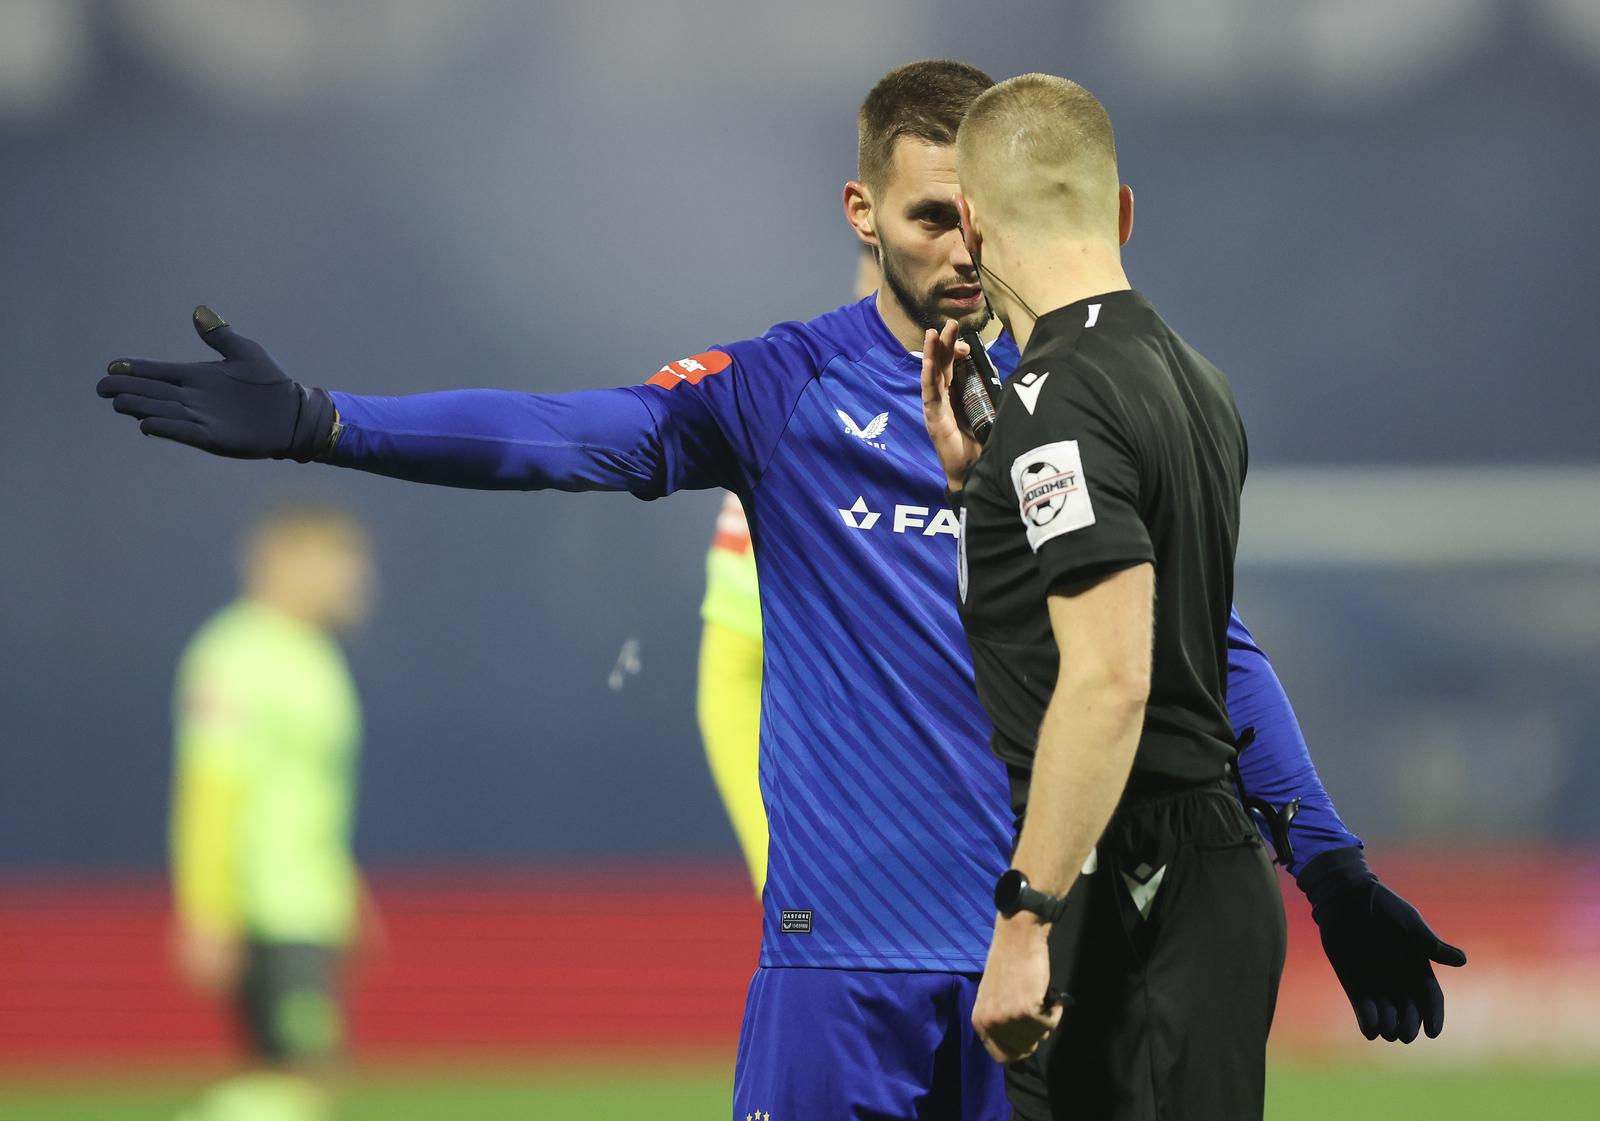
(1028, 387)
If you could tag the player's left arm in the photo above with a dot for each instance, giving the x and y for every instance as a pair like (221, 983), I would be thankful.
(1275, 767)
(1380, 947)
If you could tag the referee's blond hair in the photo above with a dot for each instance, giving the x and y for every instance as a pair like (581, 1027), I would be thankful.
(1037, 151)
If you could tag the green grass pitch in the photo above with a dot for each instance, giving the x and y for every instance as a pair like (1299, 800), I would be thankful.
(698, 1092)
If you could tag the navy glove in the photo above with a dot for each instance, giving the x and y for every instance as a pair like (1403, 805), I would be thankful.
(1379, 946)
(242, 406)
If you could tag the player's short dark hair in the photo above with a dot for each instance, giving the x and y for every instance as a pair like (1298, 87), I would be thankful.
(925, 100)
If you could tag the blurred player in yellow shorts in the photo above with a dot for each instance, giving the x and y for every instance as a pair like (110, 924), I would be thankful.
(728, 703)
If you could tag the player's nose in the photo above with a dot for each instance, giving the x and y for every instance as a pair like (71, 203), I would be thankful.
(961, 259)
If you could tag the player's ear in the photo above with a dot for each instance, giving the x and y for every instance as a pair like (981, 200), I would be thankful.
(1124, 214)
(858, 211)
(969, 234)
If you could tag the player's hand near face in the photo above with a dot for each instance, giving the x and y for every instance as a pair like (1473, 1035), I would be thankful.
(242, 406)
(955, 445)
(1009, 1013)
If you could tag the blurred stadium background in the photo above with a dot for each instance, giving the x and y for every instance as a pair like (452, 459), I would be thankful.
(1377, 216)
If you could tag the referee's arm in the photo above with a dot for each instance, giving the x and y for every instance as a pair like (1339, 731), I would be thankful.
(1104, 630)
(1091, 729)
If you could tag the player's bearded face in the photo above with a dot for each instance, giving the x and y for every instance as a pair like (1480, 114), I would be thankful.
(928, 301)
(925, 265)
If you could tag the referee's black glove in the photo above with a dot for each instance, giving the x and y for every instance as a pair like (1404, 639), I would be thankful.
(242, 406)
(1379, 946)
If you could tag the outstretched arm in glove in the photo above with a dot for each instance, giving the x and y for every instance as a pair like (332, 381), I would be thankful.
(1381, 949)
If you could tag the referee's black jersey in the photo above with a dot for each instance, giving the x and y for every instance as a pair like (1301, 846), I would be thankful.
(1116, 443)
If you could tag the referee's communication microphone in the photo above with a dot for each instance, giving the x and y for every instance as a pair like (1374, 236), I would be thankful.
(976, 384)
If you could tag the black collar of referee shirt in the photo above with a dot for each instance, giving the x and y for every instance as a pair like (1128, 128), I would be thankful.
(1065, 324)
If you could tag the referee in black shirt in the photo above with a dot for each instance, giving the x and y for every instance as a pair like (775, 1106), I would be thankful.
(1099, 527)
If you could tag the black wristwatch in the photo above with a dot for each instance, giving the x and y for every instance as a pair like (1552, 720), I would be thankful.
(1012, 894)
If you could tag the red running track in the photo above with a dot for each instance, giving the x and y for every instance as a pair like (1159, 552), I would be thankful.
(557, 961)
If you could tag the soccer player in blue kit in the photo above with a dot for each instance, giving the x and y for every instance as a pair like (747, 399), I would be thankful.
(889, 819)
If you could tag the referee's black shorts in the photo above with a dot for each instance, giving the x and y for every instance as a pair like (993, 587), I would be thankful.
(1171, 951)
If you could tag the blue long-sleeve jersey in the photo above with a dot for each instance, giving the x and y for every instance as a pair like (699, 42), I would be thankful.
(889, 818)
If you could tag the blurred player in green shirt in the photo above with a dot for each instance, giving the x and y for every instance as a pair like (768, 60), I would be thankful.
(268, 727)
(728, 701)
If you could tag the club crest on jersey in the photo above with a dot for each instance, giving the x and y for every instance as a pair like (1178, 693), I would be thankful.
(867, 433)
(1052, 495)
(691, 370)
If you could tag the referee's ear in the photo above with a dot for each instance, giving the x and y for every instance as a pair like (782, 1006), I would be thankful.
(1124, 214)
(964, 216)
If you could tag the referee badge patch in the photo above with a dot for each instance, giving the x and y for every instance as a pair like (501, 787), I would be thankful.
(1052, 495)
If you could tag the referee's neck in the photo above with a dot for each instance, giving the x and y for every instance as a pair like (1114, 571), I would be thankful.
(1052, 274)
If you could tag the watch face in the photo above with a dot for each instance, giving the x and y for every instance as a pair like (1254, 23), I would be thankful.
(1008, 892)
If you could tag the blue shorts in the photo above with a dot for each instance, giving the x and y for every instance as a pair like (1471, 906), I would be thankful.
(853, 1044)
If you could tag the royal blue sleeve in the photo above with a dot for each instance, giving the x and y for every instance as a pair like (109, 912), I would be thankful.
(707, 421)
(490, 439)
(1276, 767)
(730, 406)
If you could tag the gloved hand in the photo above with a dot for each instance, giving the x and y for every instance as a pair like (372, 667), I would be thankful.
(1378, 945)
(242, 406)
